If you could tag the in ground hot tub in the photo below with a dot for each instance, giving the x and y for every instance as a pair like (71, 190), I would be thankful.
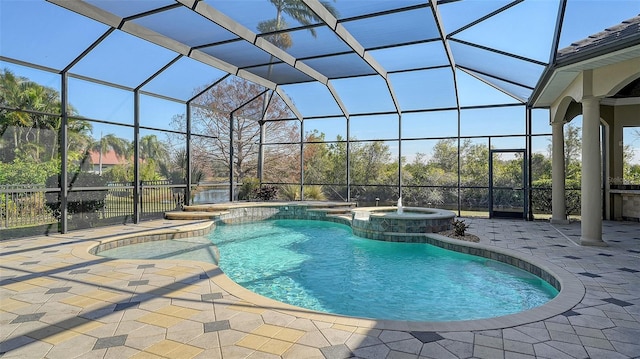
(385, 223)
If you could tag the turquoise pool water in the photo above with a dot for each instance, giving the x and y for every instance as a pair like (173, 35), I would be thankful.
(322, 266)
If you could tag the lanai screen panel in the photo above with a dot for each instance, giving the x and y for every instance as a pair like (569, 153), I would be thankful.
(119, 51)
(525, 30)
(400, 28)
(474, 90)
(506, 44)
(44, 34)
(100, 102)
(412, 57)
(425, 89)
(186, 26)
(183, 79)
(312, 99)
(367, 94)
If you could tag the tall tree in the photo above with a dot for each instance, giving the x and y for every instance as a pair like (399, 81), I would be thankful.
(572, 152)
(630, 170)
(12, 96)
(445, 157)
(211, 116)
(176, 168)
(298, 11)
(110, 142)
(336, 172)
(274, 33)
(315, 157)
(30, 124)
(474, 169)
(28, 133)
(368, 162)
(540, 167)
(152, 148)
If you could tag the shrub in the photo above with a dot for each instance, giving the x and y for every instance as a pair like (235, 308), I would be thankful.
(81, 205)
(459, 227)
(27, 172)
(290, 192)
(248, 189)
(541, 198)
(314, 193)
(266, 193)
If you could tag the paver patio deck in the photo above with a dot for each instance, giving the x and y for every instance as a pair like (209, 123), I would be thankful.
(58, 301)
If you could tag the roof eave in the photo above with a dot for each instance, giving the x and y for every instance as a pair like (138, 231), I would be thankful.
(540, 95)
(601, 50)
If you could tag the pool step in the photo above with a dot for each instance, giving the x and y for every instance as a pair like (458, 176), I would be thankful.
(324, 204)
(332, 210)
(206, 208)
(193, 215)
(346, 217)
(214, 211)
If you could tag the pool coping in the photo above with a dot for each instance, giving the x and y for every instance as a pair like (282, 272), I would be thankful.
(571, 293)
(408, 212)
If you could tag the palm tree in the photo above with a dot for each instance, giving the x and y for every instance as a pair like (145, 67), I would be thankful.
(14, 94)
(154, 152)
(45, 100)
(107, 143)
(152, 148)
(30, 132)
(297, 10)
(78, 139)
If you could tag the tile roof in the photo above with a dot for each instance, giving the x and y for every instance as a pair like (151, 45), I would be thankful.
(108, 158)
(627, 30)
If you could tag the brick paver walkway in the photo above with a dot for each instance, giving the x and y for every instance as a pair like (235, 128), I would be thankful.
(58, 301)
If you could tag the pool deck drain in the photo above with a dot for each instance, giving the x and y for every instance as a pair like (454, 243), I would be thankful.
(70, 303)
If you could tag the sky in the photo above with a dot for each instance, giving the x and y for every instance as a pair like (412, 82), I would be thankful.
(53, 37)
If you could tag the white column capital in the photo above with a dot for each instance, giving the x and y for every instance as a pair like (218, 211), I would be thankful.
(590, 100)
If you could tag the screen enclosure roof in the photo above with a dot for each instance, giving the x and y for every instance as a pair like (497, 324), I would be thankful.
(325, 58)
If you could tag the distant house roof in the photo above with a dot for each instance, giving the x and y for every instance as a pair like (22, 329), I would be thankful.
(616, 37)
(108, 158)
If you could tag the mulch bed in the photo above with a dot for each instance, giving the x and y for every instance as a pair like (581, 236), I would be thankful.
(467, 237)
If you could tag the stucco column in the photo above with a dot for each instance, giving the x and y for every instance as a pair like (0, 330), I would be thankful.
(591, 199)
(558, 205)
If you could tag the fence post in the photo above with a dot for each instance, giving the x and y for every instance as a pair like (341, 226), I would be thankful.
(140, 197)
(6, 209)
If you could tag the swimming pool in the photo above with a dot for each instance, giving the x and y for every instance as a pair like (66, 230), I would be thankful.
(322, 266)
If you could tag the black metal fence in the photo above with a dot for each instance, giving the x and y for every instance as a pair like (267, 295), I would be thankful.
(161, 196)
(25, 205)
